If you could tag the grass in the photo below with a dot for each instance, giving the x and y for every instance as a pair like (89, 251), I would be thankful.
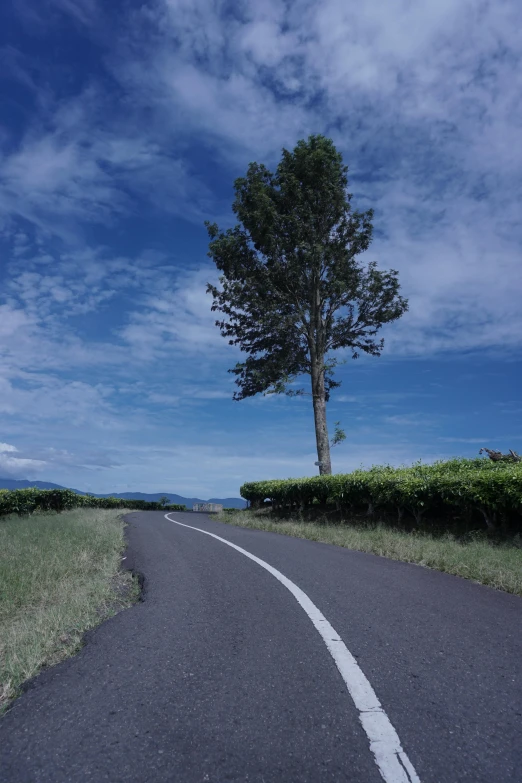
(475, 558)
(59, 576)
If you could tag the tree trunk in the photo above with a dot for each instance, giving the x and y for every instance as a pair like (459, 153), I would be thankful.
(490, 518)
(321, 427)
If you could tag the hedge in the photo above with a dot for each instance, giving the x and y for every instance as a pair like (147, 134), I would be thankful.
(470, 488)
(27, 501)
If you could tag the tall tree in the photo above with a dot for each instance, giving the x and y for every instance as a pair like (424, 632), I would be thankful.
(292, 290)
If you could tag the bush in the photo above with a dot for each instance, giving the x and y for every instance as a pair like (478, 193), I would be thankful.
(479, 490)
(27, 501)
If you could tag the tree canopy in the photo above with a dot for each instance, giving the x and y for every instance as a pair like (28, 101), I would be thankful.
(292, 288)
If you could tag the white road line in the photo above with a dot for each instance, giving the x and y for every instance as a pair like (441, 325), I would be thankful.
(393, 763)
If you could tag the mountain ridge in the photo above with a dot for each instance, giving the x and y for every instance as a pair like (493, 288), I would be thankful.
(6, 483)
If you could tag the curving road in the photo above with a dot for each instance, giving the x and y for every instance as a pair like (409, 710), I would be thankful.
(257, 662)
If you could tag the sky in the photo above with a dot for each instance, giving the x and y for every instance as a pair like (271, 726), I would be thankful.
(123, 126)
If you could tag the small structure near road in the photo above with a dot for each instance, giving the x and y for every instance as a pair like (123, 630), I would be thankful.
(208, 507)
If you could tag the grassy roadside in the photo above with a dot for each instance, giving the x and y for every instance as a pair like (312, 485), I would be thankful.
(59, 576)
(495, 565)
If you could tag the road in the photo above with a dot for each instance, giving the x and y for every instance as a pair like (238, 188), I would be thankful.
(221, 674)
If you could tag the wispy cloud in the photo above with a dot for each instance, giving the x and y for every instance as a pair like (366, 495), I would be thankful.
(104, 319)
(408, 420)
(11, 464)
(484, 441)
(177, 320)
(85, 11)
(82, 162)
(426, 94)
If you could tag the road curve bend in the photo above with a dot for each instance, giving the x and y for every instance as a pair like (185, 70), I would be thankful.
(263, 658)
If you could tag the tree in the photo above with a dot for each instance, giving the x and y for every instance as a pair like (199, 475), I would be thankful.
(292, 291)
(164, 501)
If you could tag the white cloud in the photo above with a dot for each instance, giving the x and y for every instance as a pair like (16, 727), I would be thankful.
(50, 12)
(12, 319)
(83, 161)
(84, 11)
(427, 93)
(177, 320)
(422, 99)
(410, 420)
(443, 75)
(209, 394)
(169, 400)
(17, 466)
(51, 398)
(462, 283)
(5, 447)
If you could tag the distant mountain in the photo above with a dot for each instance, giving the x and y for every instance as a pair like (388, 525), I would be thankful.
(6, 483)
(173, 498)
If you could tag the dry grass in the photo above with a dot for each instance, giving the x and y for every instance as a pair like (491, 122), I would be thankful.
(59, 576)
(495, 565)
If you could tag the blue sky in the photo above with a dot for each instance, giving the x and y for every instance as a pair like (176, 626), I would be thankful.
(123, 127)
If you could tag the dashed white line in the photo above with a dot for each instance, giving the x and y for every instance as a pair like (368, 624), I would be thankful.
(392, 762)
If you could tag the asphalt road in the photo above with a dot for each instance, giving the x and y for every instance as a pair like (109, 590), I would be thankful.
(219, 675)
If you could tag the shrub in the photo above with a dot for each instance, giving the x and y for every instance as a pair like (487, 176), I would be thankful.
(468, 488)
(27, 501)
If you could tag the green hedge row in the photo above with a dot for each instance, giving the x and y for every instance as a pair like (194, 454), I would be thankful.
(470, 488)
(26, 501)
